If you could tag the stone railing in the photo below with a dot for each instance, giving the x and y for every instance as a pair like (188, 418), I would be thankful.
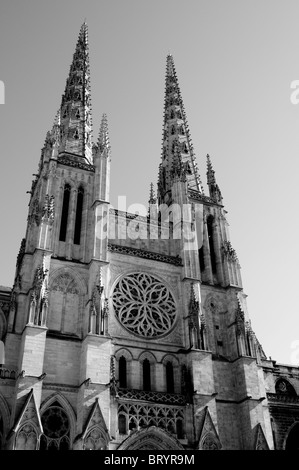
(156, 397)
(6, 373)
(281, 398)
(176, 260)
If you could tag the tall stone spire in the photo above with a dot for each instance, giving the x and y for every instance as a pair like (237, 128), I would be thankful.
(176, 137)
(214, 190)
(75, 109)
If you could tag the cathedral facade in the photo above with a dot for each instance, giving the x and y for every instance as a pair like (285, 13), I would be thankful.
(130, 332)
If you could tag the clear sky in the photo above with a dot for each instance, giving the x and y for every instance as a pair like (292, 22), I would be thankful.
(235, 61)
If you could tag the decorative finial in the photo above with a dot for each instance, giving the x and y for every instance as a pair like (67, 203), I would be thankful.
(152, 198)
(177, 149)
(75, 109)
(103, 140)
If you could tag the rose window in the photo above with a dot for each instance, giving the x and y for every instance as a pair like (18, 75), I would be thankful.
(144, 305)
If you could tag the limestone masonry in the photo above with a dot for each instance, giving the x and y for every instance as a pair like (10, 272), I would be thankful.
(128, 332)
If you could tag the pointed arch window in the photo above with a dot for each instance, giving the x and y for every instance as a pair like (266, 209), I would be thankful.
(180, 429)
(293, 438)
(56, 428)
(78, 221)
(201, 259)
(122, 424)
(122, 372)
(76, 134)
(77, 114)
(172, 130)
(210, 223)
(169, 378)
(248, 346)
(65, 212)
(146, 375)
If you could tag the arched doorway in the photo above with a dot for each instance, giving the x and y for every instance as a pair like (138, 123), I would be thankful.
(150, 438)
(292, 441)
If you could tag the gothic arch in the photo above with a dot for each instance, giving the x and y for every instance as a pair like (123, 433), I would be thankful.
(95, 435)
(147, 355)
(147, 362)
(170, 358)
(5, 418)
(171, 371)
(124, 373)
(291, 441)
(150, 438)
(72, 272)
(66, 406)
(209, 442)
(66, 290)
(123, 352)
(28, 428)
(27, 437)
(284, 387)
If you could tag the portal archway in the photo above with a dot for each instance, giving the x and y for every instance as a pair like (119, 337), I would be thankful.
(151, 438)
(292, 441)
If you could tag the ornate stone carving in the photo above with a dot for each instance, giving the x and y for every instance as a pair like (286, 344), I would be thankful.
(48, 211)
(39, 297)
(201, 197)
(240, 320)
(21, 253)
(65, 283)
(209, 443)
(5, 307)
(26, 438)
(176, 260)
(156, 397)
(165, 417)
(144, 305)
(34, 215)
(229, 251)
(69, 161)
(98, 309)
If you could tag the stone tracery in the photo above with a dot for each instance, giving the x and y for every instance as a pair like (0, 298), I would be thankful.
(144, 305)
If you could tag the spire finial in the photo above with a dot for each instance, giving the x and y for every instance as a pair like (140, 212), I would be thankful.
(75, 109)
(214, 190)
(152, 198)
(103, 140)
(177, 143)
(210, 172)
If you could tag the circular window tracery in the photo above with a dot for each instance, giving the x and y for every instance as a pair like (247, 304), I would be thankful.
(55, 422)
(144, 305)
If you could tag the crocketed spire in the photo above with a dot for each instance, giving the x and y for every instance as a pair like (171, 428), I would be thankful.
(75, 109)
(177, 148)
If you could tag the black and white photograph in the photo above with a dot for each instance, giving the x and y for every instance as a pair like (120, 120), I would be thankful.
(149, 239)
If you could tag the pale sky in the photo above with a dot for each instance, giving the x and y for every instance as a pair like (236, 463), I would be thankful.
(235, 62)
